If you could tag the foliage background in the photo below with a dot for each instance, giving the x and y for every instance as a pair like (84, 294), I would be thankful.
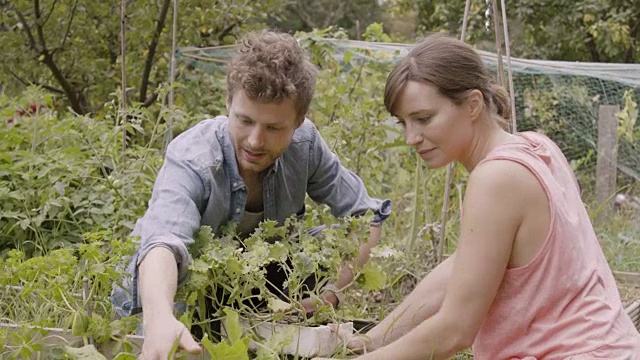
(64, 171)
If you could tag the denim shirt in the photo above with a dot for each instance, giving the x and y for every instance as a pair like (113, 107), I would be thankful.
(199, 184)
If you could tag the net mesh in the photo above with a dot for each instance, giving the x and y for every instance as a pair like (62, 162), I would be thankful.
(561, 99)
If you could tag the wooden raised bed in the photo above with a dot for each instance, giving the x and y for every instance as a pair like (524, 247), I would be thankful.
(633, 280)
(307, 341)
(628, 277)
(634, 312)
(52, 338)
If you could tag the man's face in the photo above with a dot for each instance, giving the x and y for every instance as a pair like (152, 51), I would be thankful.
(260, 132)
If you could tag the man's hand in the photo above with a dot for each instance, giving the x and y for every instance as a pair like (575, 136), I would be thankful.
(161, 333)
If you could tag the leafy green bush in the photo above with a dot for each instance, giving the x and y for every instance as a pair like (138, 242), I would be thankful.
(66, 288)
(62, 175)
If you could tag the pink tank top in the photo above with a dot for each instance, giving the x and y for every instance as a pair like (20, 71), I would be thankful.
(564, 304)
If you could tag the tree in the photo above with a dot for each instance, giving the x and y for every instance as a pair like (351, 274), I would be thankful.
(570, 30)
(444, 16)
(307, 15)
(586, 30)
(72, 47)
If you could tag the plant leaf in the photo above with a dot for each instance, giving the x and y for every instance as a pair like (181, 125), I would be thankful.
(374, 277)
(276, 305)
(87, 352)
(232, 325)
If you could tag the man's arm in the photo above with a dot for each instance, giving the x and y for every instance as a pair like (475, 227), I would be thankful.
(346, 273)
(166, 230)
(157, 283)
(332, 184)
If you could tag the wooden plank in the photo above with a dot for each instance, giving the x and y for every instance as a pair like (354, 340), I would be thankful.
(630, 278)
(634, 312)
(308, 341)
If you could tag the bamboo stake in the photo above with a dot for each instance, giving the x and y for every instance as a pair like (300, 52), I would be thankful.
(86, 298)
(498, 36)
(172, 74)
(447, 182)
(416, 195)
(507, 46)
(123, 43)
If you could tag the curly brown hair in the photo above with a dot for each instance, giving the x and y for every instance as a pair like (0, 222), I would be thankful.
(270, 67)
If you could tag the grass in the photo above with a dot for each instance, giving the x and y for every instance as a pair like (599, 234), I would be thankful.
(620, 240)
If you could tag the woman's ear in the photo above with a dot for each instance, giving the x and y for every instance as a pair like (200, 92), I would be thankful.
(475, 104)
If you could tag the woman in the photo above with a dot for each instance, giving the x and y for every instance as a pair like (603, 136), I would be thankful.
(529, 279)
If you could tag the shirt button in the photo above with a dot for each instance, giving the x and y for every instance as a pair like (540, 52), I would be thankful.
(237, 210)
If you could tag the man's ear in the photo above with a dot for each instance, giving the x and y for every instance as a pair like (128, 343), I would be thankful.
(228, 103)
(475, 104)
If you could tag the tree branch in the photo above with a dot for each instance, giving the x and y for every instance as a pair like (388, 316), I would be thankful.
(78, 103)
(227, 30)
(153, 46)
(27, 29)
(50, 12)
(33, 82)
(150, 100)
(306, 19)
(634, 34)
(66, 34)
(39, 23)
(591, 46)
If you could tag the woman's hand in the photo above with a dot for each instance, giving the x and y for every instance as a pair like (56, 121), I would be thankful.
(356, 343)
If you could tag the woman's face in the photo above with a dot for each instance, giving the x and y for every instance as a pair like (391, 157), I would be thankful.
(434, 125)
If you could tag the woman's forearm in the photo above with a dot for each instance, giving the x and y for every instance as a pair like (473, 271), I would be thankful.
(422, 303)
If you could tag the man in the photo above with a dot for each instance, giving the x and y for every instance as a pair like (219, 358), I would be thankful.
(257, 164)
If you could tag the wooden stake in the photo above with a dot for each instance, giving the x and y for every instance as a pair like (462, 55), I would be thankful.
(172, 74)
(447, 183)
(606, 164)
(123, 48)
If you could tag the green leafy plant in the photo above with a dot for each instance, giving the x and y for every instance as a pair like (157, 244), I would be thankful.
(231, 272)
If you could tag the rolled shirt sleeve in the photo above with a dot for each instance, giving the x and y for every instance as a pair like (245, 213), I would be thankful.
(172, 218)
(332, 184)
